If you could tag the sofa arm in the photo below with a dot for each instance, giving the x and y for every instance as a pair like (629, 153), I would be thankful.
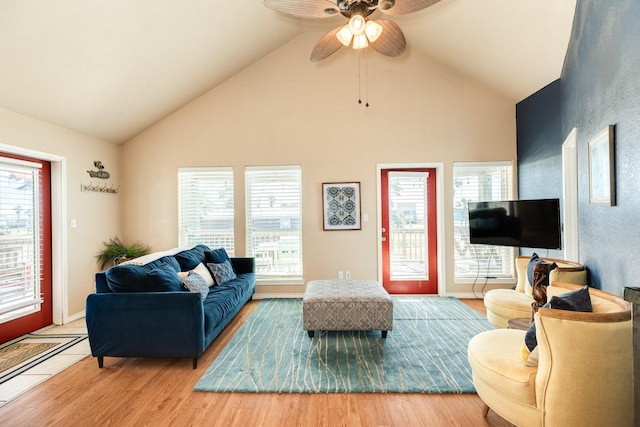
(243, 265)
(150, 324)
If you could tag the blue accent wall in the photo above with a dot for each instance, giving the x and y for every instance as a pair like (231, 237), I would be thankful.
(599, 85)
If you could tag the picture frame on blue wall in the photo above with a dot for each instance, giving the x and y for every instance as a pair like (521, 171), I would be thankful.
(602, 176)
(341, 205)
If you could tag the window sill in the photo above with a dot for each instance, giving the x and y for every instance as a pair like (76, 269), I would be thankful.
(482, 280)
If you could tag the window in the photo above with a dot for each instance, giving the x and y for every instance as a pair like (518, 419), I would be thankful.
(274, 221)
(479, 182)
(21, 247)
(205, 198)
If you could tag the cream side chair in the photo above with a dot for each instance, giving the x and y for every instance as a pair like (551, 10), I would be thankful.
(584, 376)
(506, 304)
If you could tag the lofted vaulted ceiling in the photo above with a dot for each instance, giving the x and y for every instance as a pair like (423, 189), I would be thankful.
(111, 69)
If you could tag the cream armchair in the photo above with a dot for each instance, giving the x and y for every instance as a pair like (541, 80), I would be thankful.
(506, 304)
(584, 375)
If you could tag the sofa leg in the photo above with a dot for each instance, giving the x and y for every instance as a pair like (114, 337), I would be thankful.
(311, 333)
(485, 410)
(195, 362)
(384, 334)
(100, 361)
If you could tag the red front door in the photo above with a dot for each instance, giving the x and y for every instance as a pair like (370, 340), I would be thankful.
(25, 246)
(408, 227)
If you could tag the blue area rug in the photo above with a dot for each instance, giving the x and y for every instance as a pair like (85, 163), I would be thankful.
(425, 353)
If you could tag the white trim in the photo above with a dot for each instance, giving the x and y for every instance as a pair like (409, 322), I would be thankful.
(75, 317)
(59, 246)
(262, 295)
(439, 167)
(570, 230)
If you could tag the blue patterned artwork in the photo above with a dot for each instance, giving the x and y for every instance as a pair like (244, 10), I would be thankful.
(341, 203)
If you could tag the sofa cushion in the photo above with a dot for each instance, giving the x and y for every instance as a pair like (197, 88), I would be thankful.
(159, 276)
(578, 300)
(531, 272)
(194, 282)
(204, 272)
(190, 258)
(222, 272)
(216, 256)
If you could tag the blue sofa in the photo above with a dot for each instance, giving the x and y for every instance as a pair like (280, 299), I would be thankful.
(144, 310)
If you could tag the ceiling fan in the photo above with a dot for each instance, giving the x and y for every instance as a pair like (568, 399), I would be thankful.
(383, 35)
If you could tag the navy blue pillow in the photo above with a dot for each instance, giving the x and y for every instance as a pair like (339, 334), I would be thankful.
(190, 258)
(217, 256)
(157, 276)
(578, 300)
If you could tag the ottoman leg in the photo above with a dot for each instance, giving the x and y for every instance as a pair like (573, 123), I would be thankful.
(311, 333)
(384, 334)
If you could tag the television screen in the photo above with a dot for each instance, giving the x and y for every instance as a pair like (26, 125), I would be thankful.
(523, 223)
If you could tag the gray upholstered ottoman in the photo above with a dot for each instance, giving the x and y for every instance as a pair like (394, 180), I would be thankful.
(346, 305)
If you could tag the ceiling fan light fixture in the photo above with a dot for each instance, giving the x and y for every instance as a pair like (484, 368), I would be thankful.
(360, 41)
(373, 30)
(357, 24)
(344, 35)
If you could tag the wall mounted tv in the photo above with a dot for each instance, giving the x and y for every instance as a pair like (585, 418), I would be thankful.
(523, 223)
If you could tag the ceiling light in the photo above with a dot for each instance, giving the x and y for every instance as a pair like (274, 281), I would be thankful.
(345, 35)
(357, 24)
(360, 41)
(373, 30)
(360, 31)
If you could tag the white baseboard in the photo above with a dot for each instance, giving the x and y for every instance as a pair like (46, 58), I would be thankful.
(262, 295)
(74, 317)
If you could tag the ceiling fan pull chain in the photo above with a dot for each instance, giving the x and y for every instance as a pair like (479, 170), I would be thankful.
(366, 76)
(359, 78)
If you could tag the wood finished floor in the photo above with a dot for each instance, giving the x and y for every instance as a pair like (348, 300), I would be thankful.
(158, 392)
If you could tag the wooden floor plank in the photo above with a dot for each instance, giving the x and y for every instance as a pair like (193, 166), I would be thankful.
(159, 392)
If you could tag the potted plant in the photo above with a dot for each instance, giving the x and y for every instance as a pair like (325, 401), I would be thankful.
(115, 251)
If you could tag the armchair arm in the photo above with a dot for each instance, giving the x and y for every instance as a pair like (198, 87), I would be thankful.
(149, 324)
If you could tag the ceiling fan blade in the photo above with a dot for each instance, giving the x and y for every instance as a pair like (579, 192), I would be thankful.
(326, 46)
(391, 42)
(304, 8)
(404, 7)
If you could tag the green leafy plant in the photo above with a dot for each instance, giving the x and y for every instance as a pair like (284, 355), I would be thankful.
(115, 250)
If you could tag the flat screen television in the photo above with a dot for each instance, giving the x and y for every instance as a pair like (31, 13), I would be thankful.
(523, 223)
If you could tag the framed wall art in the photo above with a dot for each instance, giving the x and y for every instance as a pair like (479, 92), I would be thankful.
(602, 185)
(341, 205)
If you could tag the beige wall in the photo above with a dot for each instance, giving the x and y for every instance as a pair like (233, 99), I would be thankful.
(96, 214)
(285, 110)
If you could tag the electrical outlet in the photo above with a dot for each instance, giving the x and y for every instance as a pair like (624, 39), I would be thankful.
(347, 275)
(340, 275)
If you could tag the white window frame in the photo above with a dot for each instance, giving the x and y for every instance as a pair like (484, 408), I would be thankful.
(206, 207)
(277, 244)
(483, 263)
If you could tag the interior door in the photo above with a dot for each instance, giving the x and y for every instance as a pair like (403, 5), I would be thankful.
(408, 228)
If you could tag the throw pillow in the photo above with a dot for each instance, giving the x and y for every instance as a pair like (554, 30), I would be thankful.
(190, 258)
(196, 283)
(578, 300)
(203, 271)
(222, 272)
(216, 256)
